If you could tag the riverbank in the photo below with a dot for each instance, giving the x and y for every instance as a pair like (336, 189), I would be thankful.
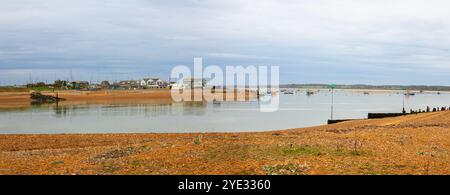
(413, 144)
(11, 100)
(22, 99)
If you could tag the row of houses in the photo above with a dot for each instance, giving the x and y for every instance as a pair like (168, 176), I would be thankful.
(189, 83)
(156, 83)
(146, 83)
(152, 83)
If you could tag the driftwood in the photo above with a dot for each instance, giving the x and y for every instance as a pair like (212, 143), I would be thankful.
(38, 98)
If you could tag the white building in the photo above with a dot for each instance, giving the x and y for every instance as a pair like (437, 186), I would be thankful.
(153, 83)
(189, 83)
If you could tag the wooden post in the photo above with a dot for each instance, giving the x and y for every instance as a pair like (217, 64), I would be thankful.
(332, 103)
(332, 86)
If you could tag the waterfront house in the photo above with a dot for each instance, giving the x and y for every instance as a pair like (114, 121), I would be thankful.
(95, 87)
(61, 84)
(153, 83)
(129, 84)
(78, 85)
(189, 83)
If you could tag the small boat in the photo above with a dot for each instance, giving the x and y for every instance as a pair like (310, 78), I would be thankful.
(366, 93)
(409, 93)
(308, 93)
(38, 98)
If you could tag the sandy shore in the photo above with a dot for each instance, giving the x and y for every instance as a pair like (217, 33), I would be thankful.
(414, 144)
(72, 97)
(22, 99)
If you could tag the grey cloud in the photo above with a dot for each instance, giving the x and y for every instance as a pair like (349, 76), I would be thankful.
(350, 38)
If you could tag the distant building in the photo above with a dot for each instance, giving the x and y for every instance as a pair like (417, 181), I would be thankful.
(130, 84)
(78, 85)
(153, 83)
(189, 83)
(61, 84)
(95, 87)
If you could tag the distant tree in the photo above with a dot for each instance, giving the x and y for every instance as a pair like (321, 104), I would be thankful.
(105, 85)
(59, 84)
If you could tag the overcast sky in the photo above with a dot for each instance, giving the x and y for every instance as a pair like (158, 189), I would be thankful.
(313, 41)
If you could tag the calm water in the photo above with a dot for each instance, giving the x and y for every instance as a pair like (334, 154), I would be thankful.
(295, 111)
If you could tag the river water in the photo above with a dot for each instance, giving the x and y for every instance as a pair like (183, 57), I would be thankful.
(298, 110)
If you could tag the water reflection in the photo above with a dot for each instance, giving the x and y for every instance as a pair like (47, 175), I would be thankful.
(139, 109)
(296, 110)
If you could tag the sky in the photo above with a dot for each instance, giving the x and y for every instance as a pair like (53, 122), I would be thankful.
(377, 42)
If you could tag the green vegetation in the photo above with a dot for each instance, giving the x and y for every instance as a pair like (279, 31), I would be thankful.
(287, 169)
(197, 140)
(316, 150)
(41, 88)
(58, 163)
(304, 150)
(13, 89)
(24, 89)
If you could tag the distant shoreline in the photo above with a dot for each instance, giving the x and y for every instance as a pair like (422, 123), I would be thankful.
(371, 87)
(372, 90)
(310, 86)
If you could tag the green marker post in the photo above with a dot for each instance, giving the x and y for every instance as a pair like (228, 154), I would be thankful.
(332, 86)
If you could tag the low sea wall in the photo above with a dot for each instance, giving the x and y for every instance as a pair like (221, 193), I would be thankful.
(338, 121)
(384, 115)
